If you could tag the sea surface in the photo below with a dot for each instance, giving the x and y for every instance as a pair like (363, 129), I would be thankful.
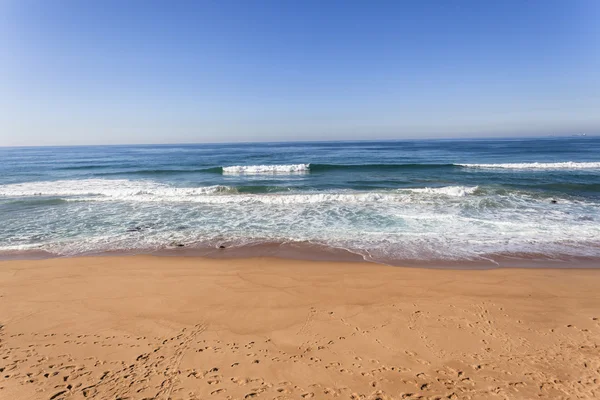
(397, 202)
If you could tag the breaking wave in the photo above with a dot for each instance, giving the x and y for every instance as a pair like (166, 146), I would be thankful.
(538, 165)
(266, 169)
(446, 223)
(149, 191)
(283, 169)
(109, 188)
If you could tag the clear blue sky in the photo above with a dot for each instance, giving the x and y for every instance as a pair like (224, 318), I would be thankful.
(86, 72)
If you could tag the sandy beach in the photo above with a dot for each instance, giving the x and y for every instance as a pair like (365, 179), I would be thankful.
(146, 327)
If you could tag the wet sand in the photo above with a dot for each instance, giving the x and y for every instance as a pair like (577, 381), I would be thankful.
(148, 327)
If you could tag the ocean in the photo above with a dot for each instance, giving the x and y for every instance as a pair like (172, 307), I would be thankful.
(492, 202)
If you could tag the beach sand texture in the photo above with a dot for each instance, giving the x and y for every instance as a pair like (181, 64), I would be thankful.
(148, 327)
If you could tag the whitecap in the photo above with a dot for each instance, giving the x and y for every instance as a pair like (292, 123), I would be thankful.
(267, 169)
(538, 165)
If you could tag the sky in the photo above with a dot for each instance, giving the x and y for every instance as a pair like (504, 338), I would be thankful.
(124, 72)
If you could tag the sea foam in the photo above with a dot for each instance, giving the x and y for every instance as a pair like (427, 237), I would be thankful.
(110, 188)
(455, 191)
(267, 169)
(451, 222)
(538, 165)
(149, 191)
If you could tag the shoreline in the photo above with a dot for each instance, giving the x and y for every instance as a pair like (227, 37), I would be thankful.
(304, 251)
(195, 328)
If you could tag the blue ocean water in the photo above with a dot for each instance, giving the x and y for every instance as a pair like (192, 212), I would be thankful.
(429, 200)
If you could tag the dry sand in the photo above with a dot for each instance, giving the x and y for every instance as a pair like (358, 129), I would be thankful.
(189, 328)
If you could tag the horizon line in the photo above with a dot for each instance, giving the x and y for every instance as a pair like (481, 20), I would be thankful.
(592, 135)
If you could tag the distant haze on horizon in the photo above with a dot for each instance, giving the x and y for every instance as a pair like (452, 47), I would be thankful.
(111, 72)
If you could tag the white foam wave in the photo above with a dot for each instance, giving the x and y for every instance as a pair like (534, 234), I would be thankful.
(538, 165)
(148, 191)
(267, 169)
(454, 191)
(274, 199)
(109, 188)
(453, 222)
